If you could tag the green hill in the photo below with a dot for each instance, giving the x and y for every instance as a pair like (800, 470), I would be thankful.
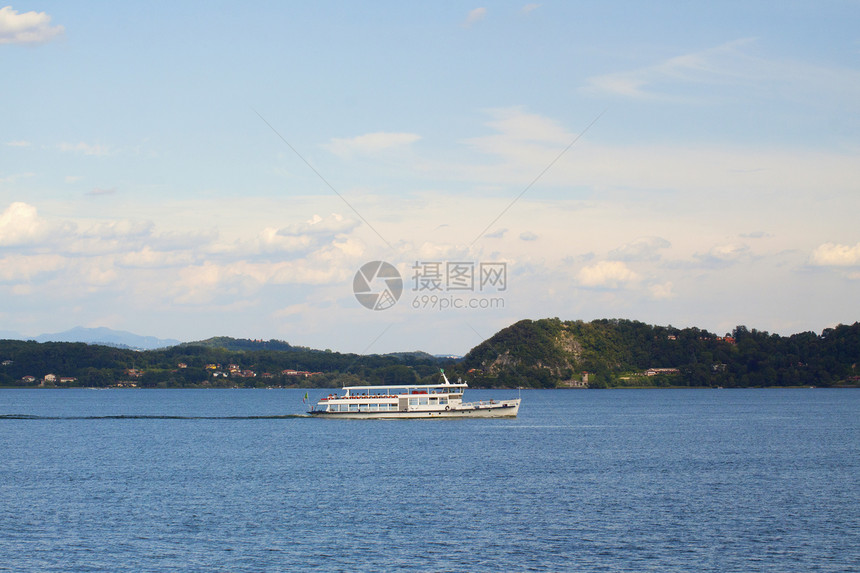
(216, 362)
(546, 353)
(552, 353)
(244, 344)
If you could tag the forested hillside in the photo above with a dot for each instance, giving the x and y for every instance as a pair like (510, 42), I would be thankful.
(544, 353)
(217, 362)
(550, 352)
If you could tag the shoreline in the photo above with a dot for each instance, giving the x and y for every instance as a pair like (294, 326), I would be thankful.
(306, 388)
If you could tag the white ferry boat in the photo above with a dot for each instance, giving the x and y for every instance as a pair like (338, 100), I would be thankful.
(443, 400)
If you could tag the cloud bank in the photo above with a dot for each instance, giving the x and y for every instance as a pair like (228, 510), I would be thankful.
(26, 28)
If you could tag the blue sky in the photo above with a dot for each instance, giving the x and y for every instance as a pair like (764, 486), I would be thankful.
(147, 181)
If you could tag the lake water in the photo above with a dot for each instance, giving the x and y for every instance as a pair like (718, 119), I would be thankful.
(594, 480)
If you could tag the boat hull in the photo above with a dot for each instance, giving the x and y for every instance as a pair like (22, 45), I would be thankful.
(500, 409)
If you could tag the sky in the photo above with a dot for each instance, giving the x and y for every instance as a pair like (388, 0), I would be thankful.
(188, 170)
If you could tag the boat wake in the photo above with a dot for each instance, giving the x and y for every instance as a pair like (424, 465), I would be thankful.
(148, 417)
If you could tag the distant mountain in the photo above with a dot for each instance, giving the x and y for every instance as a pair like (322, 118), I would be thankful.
(107, 337)
(10, 335)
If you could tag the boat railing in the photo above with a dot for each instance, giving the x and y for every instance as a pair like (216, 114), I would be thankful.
(395, 395)
(359, 397)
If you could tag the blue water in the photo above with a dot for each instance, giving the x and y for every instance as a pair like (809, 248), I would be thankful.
(615, 480)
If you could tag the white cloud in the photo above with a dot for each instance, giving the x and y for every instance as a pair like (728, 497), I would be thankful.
(314, 270)
(22, 289)
(150, 258)
(727, 253)
(524, 144)
(530, 8)
(733, 65)
(334, 224)
(622, 84)
(100, 191)
(607, 274)
(835, 255)
(120, 228)
(300, 309)
(271, 240)
(16, 268)
(20, 224)
(14, 178)
(95, 274)
(662, 291)
(370, 143)
(642, 249)
(197, 284)
(349, 247)
(19, 143)
(528, 236)
(756, 235)
(475, 15)
(435, 251)
(89, 256)
(298, 237)
(517, 124)
(720, 65)
(26, 28)
(207, 282)
(85, 148)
